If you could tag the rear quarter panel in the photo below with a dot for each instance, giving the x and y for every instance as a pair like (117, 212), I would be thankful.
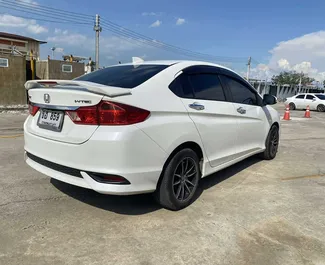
(169, 124)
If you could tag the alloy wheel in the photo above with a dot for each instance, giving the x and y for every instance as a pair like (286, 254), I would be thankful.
(274, 141)
(185, 179)
(321, 108)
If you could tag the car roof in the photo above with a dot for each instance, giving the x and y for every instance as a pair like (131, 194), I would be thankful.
(171, 62)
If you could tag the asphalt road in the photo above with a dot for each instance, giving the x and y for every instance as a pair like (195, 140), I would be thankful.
(255, 212)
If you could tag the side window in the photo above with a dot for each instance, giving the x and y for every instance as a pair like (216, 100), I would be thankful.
(207, 87)
(176, 87)
(301, 96)
(181, 88)
(240, 93)
(310, 97)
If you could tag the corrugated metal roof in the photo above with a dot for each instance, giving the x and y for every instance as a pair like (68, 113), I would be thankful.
(19, 37)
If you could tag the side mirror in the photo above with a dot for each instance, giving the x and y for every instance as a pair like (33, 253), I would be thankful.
(269, 99)
(314, 99)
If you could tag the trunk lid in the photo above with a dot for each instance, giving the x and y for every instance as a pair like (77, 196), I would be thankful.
(61, 97)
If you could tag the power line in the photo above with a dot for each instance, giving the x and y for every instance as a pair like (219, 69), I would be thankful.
(170, 48)
(43, 13)
(41, 7)
(47, 20)
(112, 26)
(141, 42)
(117, 30)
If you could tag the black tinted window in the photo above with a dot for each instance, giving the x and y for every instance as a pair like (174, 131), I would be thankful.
(126, 76)
(240, 93)
(176, 87)
(301, 96)
(310, 97)
(321, 96)
(207, 86)
(181, 87)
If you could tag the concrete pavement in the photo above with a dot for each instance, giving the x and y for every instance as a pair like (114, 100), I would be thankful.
(256, 212)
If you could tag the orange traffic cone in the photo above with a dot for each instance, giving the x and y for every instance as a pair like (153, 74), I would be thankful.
(307, 112)
(287, 114)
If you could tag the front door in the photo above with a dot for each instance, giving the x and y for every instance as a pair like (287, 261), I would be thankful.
(253, 124)
(215, 117)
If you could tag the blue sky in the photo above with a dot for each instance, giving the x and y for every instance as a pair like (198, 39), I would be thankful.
(267, 31)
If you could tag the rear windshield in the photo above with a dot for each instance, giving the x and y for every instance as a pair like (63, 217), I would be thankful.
(320, 96)
(125, 76)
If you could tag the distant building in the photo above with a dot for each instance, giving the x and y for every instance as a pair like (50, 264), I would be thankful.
(19, 45)
(56, 69)
(15, 66)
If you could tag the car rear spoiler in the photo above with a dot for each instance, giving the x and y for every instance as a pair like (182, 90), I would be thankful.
(78, 85)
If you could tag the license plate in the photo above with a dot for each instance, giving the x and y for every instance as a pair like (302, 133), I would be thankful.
(51, 120)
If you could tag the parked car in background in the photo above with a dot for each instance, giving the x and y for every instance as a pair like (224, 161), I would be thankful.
(147, 127)
(302, 100)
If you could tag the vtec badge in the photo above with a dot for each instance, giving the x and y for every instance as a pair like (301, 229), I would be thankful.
(82, 101)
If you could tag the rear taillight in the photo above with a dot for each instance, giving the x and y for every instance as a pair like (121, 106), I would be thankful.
(84, 115)
(32, 109)
(108, 113)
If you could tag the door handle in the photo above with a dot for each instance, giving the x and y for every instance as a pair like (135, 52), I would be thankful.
(196, 106)
(241, 110)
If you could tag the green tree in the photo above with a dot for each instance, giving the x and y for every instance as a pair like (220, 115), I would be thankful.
(291, 78)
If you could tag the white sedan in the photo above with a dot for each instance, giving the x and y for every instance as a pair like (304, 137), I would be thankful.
(147, 127)
(301, 101)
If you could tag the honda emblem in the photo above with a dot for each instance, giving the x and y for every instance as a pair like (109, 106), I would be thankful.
(47, 98)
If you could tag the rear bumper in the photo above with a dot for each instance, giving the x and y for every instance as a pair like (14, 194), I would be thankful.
(128, 153)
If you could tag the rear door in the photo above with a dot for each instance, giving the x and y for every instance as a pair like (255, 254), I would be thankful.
(300, 101)
(51, 121)
(214, 117)
(253, 125)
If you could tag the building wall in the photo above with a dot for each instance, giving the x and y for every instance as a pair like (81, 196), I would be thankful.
(6, 44)
(12, 80)
(42, 70)
(55, 70)
(34, 45)
(23, 46)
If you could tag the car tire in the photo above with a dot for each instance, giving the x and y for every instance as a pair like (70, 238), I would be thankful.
(292, 106)
(271, 144)
(320, 108)
(179, 181)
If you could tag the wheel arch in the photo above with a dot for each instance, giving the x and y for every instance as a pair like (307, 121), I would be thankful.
(276, 124)
(189, 144)
(320, 104)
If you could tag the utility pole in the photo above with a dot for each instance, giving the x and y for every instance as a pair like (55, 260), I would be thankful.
(32, 65)
(300, 83)
(248, 67)
(97, 29)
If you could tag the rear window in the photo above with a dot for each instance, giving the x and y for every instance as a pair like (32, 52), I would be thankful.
(320, 96)
(125, 76)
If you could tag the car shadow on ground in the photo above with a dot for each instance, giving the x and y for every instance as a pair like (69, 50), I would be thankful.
(144, 203)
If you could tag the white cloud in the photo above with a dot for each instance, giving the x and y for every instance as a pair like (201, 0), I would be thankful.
(156, 24)
(302, 54)
(180, 21)
(109, 46)
(309, 47)
(68, 39)
(60, 31)
(151, 13)
(9, 21)
(28, 2)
